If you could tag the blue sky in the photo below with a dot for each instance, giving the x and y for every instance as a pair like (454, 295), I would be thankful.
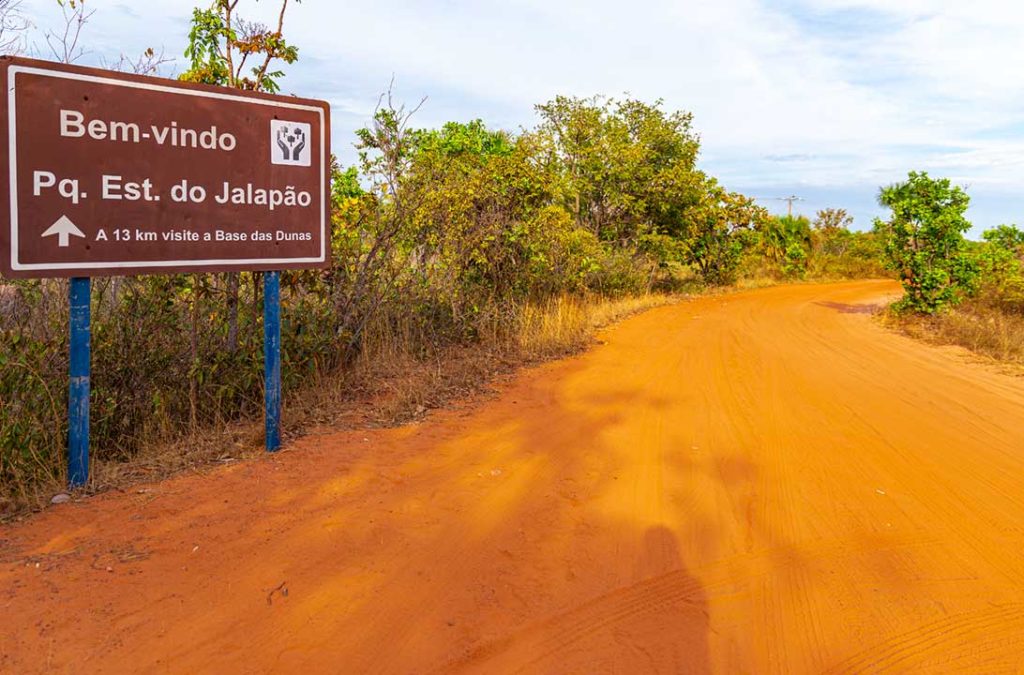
(825, 99)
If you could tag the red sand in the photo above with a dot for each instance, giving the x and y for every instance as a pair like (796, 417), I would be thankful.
(760, 482)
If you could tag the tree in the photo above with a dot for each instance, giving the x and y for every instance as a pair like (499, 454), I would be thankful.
(13, 26)
(627, 168)
(478, 224)
(64, 45)
(925, 243)
(786, 241)
(831, 220)
(344, 184)
(1001, 259)
(1007, 237)
(458, 138)
(149, 62)
(718, 232)
(220, 44)
(779, 233)
(831, 232)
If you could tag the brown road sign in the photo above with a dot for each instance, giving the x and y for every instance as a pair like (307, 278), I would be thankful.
(107, 173)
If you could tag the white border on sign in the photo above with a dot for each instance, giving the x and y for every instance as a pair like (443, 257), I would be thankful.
(12, 139)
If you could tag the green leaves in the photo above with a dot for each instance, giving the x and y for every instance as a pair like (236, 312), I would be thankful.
(207, 63)
(458, 138)
(1001, 260)
(626, 167)
(220, 44)
(925, 243)
(1007, 237)
(718, 231)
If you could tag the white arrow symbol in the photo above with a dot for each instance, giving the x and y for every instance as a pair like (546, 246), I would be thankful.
(64, 229)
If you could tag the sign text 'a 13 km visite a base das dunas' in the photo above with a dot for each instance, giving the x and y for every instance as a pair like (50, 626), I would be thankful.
(119, 174)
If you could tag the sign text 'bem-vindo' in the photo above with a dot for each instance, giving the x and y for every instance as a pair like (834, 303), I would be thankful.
(119, 174)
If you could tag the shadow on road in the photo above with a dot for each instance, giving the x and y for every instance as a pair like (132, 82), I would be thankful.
(846, 308)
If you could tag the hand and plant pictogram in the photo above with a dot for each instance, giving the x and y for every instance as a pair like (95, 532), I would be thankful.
(291, 140)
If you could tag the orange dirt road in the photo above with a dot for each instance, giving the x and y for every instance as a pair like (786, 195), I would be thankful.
(759, 482)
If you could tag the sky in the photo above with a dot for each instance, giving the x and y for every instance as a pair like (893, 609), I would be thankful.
(823, 99)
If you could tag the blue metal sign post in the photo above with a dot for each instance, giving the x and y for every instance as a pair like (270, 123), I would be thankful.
(80, 292)
(272, 358)
(78, 389)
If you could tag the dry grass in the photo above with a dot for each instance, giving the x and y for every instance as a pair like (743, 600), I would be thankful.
(566, 323)
(393, 381)
(981, 328)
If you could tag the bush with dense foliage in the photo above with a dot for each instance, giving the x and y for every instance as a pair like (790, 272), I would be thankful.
(1000, 260)
(925, 242)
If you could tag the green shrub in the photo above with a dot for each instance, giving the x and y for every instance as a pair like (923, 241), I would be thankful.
(925, 243)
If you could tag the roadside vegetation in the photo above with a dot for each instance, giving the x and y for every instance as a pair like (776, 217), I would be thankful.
(956, 291)
(458, 253)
